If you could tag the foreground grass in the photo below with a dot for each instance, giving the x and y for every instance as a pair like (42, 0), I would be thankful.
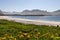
(17, 31)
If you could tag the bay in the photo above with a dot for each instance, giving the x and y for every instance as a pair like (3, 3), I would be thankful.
(46, 18)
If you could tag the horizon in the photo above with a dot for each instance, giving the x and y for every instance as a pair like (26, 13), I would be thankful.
(20, 5)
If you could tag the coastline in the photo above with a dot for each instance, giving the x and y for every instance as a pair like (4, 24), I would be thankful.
(27, 21)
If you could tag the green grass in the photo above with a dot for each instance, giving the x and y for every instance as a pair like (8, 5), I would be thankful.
(13, 28)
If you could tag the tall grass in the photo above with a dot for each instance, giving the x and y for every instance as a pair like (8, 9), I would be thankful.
(19, 31)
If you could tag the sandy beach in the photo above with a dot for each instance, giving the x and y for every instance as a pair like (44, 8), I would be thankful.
(27, 21)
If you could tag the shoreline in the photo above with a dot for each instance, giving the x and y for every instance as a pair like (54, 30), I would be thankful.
(27, 21)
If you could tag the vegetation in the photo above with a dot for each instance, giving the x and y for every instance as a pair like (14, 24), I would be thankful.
(18, 31)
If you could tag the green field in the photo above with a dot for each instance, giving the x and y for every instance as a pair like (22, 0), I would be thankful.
(10, 30)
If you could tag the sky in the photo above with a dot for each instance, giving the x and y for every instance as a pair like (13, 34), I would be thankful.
(20, 5)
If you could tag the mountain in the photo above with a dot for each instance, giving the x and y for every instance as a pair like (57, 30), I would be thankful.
(1, 13)
(56, 13)
(11, 13)
(35, 12)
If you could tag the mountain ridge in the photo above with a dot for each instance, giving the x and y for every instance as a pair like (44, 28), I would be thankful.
(33, 12)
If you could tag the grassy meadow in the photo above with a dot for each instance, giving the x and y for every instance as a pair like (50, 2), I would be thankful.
(10, 30)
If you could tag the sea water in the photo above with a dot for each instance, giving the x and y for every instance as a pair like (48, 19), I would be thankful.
(46, 18)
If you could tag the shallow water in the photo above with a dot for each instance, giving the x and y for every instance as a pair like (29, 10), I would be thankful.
(46, 18)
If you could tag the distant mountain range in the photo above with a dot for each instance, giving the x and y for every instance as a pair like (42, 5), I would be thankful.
(34, 12)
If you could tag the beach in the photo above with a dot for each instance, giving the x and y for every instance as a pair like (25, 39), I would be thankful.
(27, 21)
